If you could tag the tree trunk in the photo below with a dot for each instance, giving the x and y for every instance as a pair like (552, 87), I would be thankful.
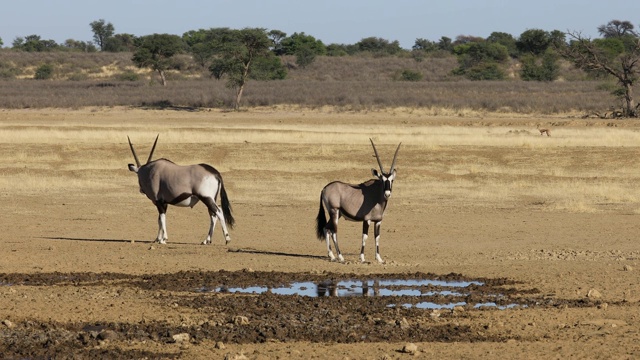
(163, 78)
(238, 97)
(630, 109)
(243, 82)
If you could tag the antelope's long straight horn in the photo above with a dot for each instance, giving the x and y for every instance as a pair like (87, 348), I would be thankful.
(393, 164)
(377, 156)
(153, 148)
(134, 152)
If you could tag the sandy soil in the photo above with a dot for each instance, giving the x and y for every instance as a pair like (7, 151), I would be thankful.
(80, 276)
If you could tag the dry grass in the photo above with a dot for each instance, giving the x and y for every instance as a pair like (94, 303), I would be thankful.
(281, 157)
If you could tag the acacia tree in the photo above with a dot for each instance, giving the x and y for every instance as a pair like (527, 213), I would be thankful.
(101, 32)
(156, 52)
(237, 51)
(617, 55)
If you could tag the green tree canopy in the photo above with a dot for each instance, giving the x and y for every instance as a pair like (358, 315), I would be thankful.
(480, 60)
(504, 39)
(276, 37)
(378, 46)
(242, 54)
(120, 43)
(617, 55)
(33, 43)
(540, 68)
(81, 46)
(156, 51)
(533, 41)
(293, 44)
(101, 32)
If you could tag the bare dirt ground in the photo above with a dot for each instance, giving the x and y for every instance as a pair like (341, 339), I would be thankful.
(547, 225)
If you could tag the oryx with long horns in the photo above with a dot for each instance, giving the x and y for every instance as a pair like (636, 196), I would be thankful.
(364, 202)
(166, 183)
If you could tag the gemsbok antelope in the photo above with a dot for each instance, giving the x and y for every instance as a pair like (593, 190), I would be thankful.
(364, 202)
(166, 183)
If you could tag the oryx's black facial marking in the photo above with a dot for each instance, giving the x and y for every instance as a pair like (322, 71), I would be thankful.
(364, 202)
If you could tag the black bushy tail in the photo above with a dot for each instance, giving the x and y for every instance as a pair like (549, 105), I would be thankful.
(226, 207)
(321, 221)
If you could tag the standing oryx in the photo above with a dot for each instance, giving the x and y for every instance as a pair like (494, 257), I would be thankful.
(364, 202)
(166, 183)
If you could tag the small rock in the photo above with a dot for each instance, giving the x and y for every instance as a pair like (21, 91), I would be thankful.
(594, 294)
(603, 306)
(410, 348)
(152, 247)
(220, 345)
(107, 335)
(241, 320)
(458, 309)
(8, 324)
(404, 324)
(182, 337)
(627, 268)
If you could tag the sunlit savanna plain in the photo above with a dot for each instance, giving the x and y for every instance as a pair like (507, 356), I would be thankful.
(484, 196)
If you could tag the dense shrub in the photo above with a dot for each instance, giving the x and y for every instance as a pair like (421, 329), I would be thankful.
(44, 72)
(411, 75)
(544, 68)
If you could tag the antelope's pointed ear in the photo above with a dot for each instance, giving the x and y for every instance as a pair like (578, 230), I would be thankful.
(393, 175)
(375, 173)
(133, 168)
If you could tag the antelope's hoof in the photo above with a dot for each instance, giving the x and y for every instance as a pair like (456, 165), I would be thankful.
(227, 241)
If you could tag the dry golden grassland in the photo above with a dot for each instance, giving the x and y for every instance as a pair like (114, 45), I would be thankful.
(281, 156)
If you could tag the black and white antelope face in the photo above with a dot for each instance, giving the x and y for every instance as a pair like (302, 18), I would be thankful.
(386, 177)
(387, 180)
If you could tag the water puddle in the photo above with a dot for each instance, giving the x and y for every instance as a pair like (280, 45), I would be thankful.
(418, 288)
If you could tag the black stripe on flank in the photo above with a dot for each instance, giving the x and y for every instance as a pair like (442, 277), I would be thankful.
(182, 197)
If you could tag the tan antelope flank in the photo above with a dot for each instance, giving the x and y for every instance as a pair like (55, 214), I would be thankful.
(166, 183)
(364, 202)
(544, 131)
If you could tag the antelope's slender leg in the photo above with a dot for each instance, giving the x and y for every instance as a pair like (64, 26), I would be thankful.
(365, 232)
(223, 223)
(215, 213)
(327, 235)
(335, 215)
(212, 226)
(376, 230)
(162, 223)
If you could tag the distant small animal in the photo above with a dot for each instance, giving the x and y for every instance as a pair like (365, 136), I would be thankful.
(166, 183)
(544, 131)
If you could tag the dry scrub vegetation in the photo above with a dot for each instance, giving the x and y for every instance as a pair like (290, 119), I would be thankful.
(276, 157)
(354, 83)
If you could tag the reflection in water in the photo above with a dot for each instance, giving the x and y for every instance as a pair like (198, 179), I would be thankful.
(419, 288)
(360, 288)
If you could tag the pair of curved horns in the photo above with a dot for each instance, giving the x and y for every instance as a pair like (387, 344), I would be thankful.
(150, 154)
(393, 164)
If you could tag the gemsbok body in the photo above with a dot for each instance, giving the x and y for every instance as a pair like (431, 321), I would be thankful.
(166, 183)
(364, 202)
